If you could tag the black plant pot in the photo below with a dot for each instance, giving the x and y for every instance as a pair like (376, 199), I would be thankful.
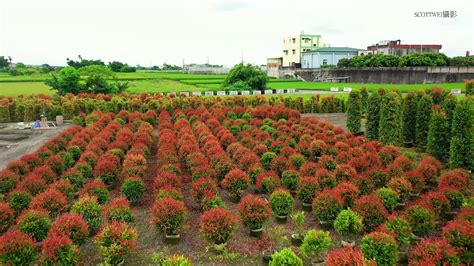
(307, 207)
(267, 256)
(172, 239)
(296, 240)
(281, 219)
(256, 232)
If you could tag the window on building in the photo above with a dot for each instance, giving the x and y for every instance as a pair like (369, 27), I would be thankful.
(293, 40)
(294, 51)
(314, 44)
(325, 61)
(285, 51)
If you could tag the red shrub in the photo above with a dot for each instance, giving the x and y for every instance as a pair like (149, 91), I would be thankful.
(429, 167)
(217, 225)
(254, 211)
(8, 181)
(95, 188)
(346, 256)
(280, 164)
(168, 215)
(51, 200)
(372, 210)
(56, 164)
(325, 179)
(18, 167)
(348, 192)
(267, 182)
(308, 169)
(59, 249)
(17, 248)
(402, 186)
(345, 172)
(416, 180)
(33, 183)
(32, 160)
(460, 234)
(72, 226)
(166, 178)
(433, 252)
(435, 201)
(236, 182)
(364, 183)
(7, 217)
(388, 153)
(46, 173)
(119, 210)
(107, 171)
(466, 214)
(326, 206)
(458, 178)
(89, 157)
(201, 187)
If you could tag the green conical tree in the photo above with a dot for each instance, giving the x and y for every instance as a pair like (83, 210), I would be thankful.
(423, 113)
(462, 141)
(390, 122)
(438, 141)
(364, 100)
(373, 116)
(353, 112)
(409, 119)
(449, 104)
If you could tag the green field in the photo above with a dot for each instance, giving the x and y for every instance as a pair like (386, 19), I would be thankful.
(160, 85)
(12, 89)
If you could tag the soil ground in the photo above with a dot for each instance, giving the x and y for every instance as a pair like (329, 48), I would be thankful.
(16, 142)
(337, 119)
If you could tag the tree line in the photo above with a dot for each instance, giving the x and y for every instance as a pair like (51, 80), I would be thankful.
(432, 121)
(410, 60)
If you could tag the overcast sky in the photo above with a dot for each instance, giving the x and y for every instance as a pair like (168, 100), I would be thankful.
(150, 32)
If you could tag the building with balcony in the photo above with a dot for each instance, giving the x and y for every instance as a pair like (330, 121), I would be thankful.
(395, 47)
(294, 45)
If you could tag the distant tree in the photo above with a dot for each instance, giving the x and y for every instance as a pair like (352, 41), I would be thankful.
(423, 59)
(469, 87)
(116, 66)
(409, 118)
(438, 142)
(4, 63)
(65, 81)
(353, 112)
(96, 77)
(373, 116)
(20, 65)
(253, 76)
(423, 113)
(343, 62)
(462, 141)
(390, 122)
(84, 62)
(463, 61)
(128, 69)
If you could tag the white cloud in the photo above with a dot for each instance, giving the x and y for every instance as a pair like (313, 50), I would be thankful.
(151, 32)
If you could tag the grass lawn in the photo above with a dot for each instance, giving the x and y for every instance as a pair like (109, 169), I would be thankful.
(160, 85)
(12, 89)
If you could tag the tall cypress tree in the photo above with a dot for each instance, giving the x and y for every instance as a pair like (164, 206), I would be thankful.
(364, 100)
(409, 119)
(390, 122)
(373, 116)
(353, 112)
(438, 141)
(448, 105)
(423, 113)
(462, 141)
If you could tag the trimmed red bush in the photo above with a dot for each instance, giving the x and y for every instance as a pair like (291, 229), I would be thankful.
(236, 182)
(32, 160)
(169, 215)
(33, 183)
(8, 181)
(51, 200)
(267, 182)
(34, 223)
(95, 188)
(17, 248)
(254, 211)
(372, 210)
(56, 164)
(46, 173)
(348, 192)
(345, 172)
(75, 177)
(346, 256)
(59, 250)
(217, 225)
(433, 250)
(307, 189)
(119, 210)
(18, 167)
(65, 187)
(416, 180)
(19, 200)
(325, 179)
(7, 217)
(460, 234)
(402, 186)
(201, 187)
(72, 226)
(458, 178)
(167, 178)
(326, 206)
(421, 219)
(116, 241)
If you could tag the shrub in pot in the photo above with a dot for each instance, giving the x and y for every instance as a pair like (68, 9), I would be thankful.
(267, 182)
(75, 177)
(71, 226)
(176, 260)
(33, 184)
(133, 189)
(119, 210)
(8, 181)
(348, 223)
(254, 212)
(455, 197)
(326, 207)
(345, 256)
(96, 189)
(116, 241)
(326, 179)
(380, 247)
(266, 159)
(90, 210)
(421, 219)
(434, 250)
(17, 248)
(290, 180)
(65, 187)
(211, 201)
(236, 182)
(298, 221)
(315, 243)
(389, 198)
(34, 223)
(281, 203)
(7, 217)
(217, 225)
(372, 210)
(51, 200)
(402, 186)
(460, 234)
(307, 190)
(286, 256)
(348, 192)
(19, 200)
(201, 187)
(297, 160)
(400, 228)
(169, 191)
(59, 250)
(169, 215)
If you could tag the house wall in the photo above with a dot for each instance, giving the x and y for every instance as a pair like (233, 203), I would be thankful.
(317, 59)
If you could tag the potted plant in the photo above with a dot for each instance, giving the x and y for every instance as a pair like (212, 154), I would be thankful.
(133, 189)
(372, 210)
(89, 209)
(176, 260)
(217, 226)
(345, 256)
(430, 248)
(281, 203)
(380, 247)
(202, 186)
(307, 190)
(119, 210)
(254, 212)
(116, 241)
(421, 219)
(59, 250)
(34, 223)
(348, 224)
(168, 217)
(290, 180)
(298, 221)
(72, 226)
(277, 241)
(267, 182)
(315, 243)
(17, 248)
(326, 207)
(236, 182)
(285, 256)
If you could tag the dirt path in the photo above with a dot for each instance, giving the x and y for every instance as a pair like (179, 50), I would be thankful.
(337, 119)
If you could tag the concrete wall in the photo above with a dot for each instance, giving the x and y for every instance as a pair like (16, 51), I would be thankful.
(394, 75)
(317, 59)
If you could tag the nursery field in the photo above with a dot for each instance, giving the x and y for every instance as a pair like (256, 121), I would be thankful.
(162, 181)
